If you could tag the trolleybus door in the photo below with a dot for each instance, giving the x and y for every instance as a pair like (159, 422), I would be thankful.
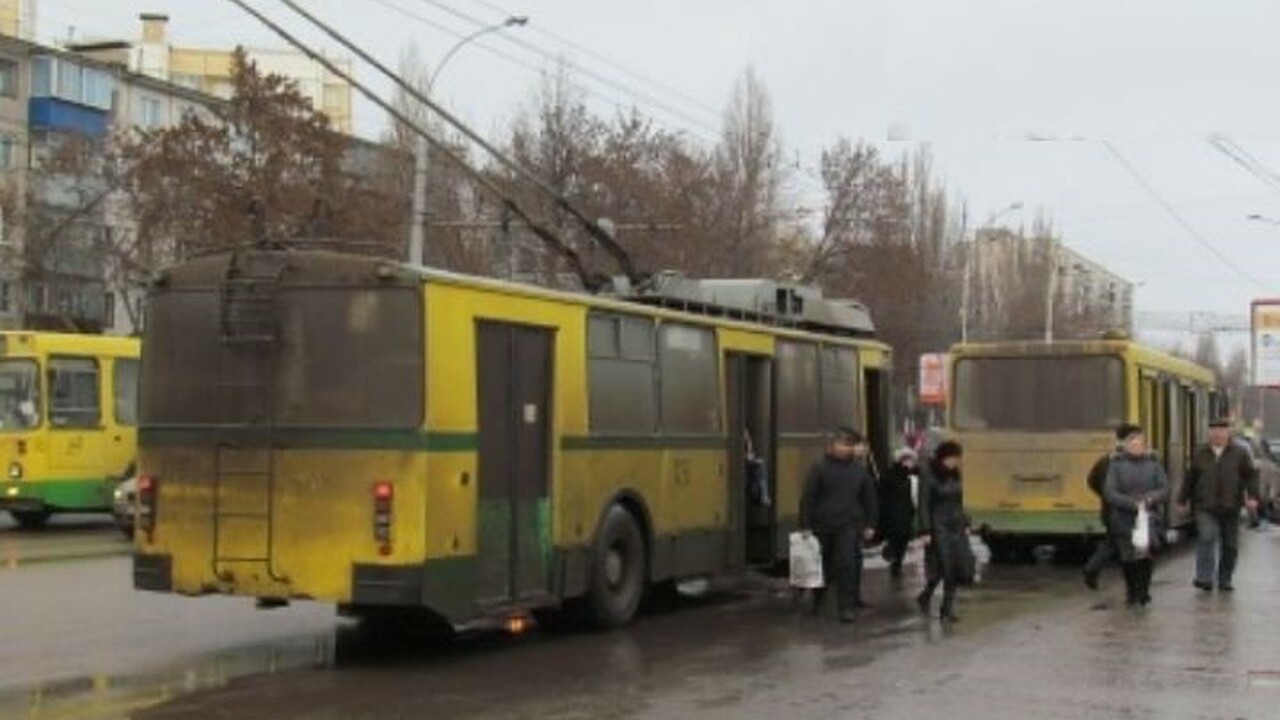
(514, 376)
(752, 489)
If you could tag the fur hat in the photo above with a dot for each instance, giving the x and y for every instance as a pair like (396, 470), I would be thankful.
(948, 448)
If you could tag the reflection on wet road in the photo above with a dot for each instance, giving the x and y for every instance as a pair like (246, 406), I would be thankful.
(1032, 643)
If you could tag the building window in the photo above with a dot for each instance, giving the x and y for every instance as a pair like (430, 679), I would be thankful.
(6, 305)
(42, 71)
(57, 77)
(149, 114)
(8, 156)
(8, 78)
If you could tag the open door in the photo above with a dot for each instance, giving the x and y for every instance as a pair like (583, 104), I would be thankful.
(879, 431)
(750, 457)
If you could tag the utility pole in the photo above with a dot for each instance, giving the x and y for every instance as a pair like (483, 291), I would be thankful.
(422, 161)
(1051, 290)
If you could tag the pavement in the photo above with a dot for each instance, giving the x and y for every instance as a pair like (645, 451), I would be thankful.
(1032, 643)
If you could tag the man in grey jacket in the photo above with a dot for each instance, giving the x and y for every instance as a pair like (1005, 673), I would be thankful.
(1221, 480)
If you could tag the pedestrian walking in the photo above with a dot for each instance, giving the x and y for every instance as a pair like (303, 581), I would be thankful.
(1223, 478)
(945, 527)
(1105, 552)
(839, 505)
(899, 498)
(1136, 488)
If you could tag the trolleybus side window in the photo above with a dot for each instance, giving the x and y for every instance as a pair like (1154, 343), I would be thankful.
(690, 396)
(839, 387)
(124, 377)
(74, 399)
(798, 388)
(621, 375)
(19, 395)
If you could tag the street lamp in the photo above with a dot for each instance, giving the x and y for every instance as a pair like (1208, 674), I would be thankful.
(965, 290)
(417, 229)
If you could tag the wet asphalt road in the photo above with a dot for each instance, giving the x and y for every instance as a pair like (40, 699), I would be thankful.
(1033, 643)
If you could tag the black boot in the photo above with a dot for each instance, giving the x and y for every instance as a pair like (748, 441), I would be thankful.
(1226, 569)
(948, 613)
(1130, 582)
(1145, 570)
(925, 597)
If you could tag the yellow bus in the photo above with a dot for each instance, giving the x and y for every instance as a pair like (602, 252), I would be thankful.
(345, 429)
(68, 421)
(1035, 416)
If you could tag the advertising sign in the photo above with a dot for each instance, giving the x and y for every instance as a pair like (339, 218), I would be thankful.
(933, 378)
(1266, 343)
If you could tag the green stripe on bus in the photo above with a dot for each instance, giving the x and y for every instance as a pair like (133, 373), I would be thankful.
(1031, 522)
(643, 442)
(60, 493)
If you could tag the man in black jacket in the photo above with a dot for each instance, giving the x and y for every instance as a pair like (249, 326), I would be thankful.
(1105, 552)
(839, 506)
(1222, 479)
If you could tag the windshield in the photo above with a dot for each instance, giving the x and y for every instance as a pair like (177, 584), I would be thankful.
(1039, 394)
(19, 395)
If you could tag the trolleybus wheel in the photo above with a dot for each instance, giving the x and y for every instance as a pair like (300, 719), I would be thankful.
(618, 571)
(31, 519)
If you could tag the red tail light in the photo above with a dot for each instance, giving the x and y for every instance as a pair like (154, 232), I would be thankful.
(383, 498)
(148, 492)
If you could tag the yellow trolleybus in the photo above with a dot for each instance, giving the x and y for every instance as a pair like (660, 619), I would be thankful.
(68, 417)
(1035, 416)
(350, 430)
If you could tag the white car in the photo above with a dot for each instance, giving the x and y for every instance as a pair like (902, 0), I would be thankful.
(124, 504)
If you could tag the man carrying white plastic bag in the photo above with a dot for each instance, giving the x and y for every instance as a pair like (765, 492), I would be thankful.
(838, 507)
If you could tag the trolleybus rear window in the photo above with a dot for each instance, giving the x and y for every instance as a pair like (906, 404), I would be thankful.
(343, 357)
(1039, 394)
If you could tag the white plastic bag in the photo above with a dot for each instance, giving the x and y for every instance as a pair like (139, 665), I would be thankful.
(806, 561)
(1142, 532)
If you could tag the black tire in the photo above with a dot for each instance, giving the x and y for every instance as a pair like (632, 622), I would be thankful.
(31, 519)
(619, 571)
(127, 531)
(1002, 551)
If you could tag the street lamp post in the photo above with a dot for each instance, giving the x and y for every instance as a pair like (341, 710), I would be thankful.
(417, 228)
(965, 289)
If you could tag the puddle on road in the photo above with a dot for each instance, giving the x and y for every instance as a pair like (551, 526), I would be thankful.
(118, 697)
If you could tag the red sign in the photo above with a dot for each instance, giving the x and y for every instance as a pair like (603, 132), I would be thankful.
(933, 379)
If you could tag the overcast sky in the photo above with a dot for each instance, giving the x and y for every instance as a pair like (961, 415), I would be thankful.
(974, 78)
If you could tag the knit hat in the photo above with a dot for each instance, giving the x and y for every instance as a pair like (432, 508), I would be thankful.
(948, 448)
(1126, 431)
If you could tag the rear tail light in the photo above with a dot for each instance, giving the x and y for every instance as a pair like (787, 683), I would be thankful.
(383, 499)
(148, 492)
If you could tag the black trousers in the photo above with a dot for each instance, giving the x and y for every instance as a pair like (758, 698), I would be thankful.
(895, 550)
(842, 566)
(1103, 554)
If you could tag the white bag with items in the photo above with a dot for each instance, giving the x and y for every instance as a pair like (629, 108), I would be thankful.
(806, 561)
(1142, 532)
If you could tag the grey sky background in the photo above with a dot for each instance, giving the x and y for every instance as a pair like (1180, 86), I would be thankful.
(973, 78)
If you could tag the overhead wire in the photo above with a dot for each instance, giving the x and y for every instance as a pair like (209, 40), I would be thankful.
(686, 123)
(592, 281)
(606, 60)
(1177, 217)
(644, 97)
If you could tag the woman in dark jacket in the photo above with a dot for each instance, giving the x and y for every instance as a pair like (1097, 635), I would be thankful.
(1136, 478)
(898, 499)
(945, 527)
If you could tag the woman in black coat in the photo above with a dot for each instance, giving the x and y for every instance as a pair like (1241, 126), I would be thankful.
(945, 527)
(898, 499)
